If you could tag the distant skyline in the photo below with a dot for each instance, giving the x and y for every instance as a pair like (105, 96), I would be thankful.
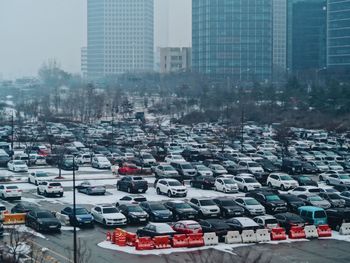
(34, 31)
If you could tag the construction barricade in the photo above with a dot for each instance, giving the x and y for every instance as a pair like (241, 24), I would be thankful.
(296, 232)
(345, 229)
(130, 239)
(210, 239)
(324, 231)
(14, 219)
(179, 241)
(310, 231)
(248, 236)
(233, 237)
(144, 243)
(263, 235)
(161, 242)
(120, 237)
(278, 234)
(195, 240)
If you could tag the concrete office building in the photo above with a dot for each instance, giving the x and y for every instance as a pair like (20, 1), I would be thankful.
(174, 59)
(120, 37)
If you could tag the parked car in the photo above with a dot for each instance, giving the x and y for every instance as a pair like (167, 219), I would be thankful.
(184, 169)
(305, 190)
(217, 169)
(203, 182)
(166, 171)
(315, 200)
(293, 202)
(242, 223)
(271, 202)
(50, 189)
(155, 229)
(129, 169)
(108, 215)
(247, 183)
(131, 199)
(313, 215)
(157, 212)
(171, 188)
(334, 199)
(266, 221)
(87, 188)
(251, 206)
(100, 162)
(17, 166)
(132, 184)
(37, 176)
(346, 197)
(134, 213)
(42, 220)
(219, 227)
(68, 164)
(206, 207)
(228, 207)
(187, 227)
(288, 220)
(24, 207)
(82, 216)
(337, 216)
(225, 185)
(181, 210)
(10, 192)
(304, 180)
(339, 178)
(291, 166)
(282, 181)
(84, 158)
(202, 170)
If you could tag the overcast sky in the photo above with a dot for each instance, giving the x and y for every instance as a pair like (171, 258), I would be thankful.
(33, 31)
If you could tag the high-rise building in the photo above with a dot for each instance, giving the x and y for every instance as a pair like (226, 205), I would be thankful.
(232, 38)
(174, 59)
(120, 37)
(338, 35)
(83, 62)
(279, 37)
(307, 35)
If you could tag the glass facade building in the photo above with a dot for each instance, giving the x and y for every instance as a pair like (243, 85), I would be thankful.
(279, 37)
(120, 37)
(233, 38)
(307, 34)
(338, 34)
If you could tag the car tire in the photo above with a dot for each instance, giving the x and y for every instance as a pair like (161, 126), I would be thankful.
(3, 196)
(45, 194)
(270, 185)
(176, 217)
(158, 191)
(283, 188)
(327, 182)
(36, 183)
(169, 194)
(245, 189)
(321, 178)
(61, 194)
(224, 214)
(38, 192)
(104, 222)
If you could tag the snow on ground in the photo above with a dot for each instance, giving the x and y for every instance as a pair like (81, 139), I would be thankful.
(24, 229)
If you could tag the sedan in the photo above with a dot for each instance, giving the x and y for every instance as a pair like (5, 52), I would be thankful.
(228, 207)
(181, 210)
(87, 188)
(42, 220)
(187, 227)
(10, 192)
(134, 214)
(287, 220)
(315, 200)
(242, 223)
(293, 202)
(17, 166)
(203, 182)
(24, 207)
(157, 212)
(220, 228)
(108, 215)
(304, 180)
(155, 229)
(334, 199)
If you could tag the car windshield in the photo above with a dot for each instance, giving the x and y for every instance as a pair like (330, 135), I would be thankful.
(174, 183)
(11, 187)
(270, 221)
(202, 168)
(147, 156)
(315, 198)
(253, 165)
(140, 199)
(81, 211)
(19, 162)
(304, 179)
(320, 214)
(182, 206)
(251, 202)
(314, 190)
(206, 202)
(44, 215)
(227, 203)
(110, 210)
(228, 181)
(169, 168)
(41, 174)
(157, 207)
(55, 184)
(344, 176)
(193, 226)
(186, 166)
(137, 178)
(333, 196)
(250, 180)
(285, 178)
(135, 209)
(272, 198)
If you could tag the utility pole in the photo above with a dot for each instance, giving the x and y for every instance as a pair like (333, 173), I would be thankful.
(74, 214)
(12, 129)
(242, 128)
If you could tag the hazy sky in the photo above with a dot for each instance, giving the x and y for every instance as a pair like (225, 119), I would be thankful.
(33, 31)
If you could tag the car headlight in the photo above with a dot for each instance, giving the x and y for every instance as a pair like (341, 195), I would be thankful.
(79, 219)
(205, 210)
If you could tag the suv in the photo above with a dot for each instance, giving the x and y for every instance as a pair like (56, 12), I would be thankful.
(100, 162)
(181, 210)
(166, 170)
(171, 187)
(50, 188)
(271, 201)
(246, 183)
(291, 166)
(250, 166)
(251, 206)
(131, 184)
(282, 181)
(206, 207)
(37, 177)
(185, 169)
(229, 208)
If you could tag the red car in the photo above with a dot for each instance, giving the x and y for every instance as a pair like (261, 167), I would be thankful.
(187, 227)
(129, 169)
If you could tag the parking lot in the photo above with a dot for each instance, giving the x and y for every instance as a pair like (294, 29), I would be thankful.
(305, 165)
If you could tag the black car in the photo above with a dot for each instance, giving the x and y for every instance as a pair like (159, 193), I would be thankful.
(308, 168)
(132, 184)
(242, 223)
(271, 201)
(191, 155)
(228, 207)
(304, 180)
(67, 164)
(268, 166)
(155, 229)
(1, 229)
(157, 212)
(287, 220)
(291, 166)
(42, 220)
(341, 187)
(181, 210)
(337, 216)
(4, 159)
(134, 214)
(203, 182)
(333, 198)
(293, 202)
(214, 225)
(24, 207)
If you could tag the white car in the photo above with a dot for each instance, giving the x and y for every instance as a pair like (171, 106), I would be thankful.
(174, 158)
(166, 170)
(171, 187)
(267, 155)
(17, 166)
(251, 206)
(131, 199)
(334, 166)
(100, 162)
(50, 188)
(282, 181)
(305, 190)
(321, 166)
(147, 158)
(10, 191)
(84, 158)
(247, 183)
(203, 170)
(251, 166)
(108, 215)
(217, 169)
(225, 185)
(37, 177)
(339, 178)
(267, 221)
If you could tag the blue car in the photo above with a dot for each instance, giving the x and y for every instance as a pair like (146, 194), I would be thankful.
(82, 216)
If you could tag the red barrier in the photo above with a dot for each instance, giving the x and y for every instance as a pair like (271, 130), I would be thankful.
(109, 236)
(144, 243)
(161, 242)
(195, 240)
(120, 239)
(297, 232)
(278, 234)
(130, 239)
(179, 241)
(324, 231)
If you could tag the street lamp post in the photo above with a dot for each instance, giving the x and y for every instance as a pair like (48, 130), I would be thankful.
(74, 214)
